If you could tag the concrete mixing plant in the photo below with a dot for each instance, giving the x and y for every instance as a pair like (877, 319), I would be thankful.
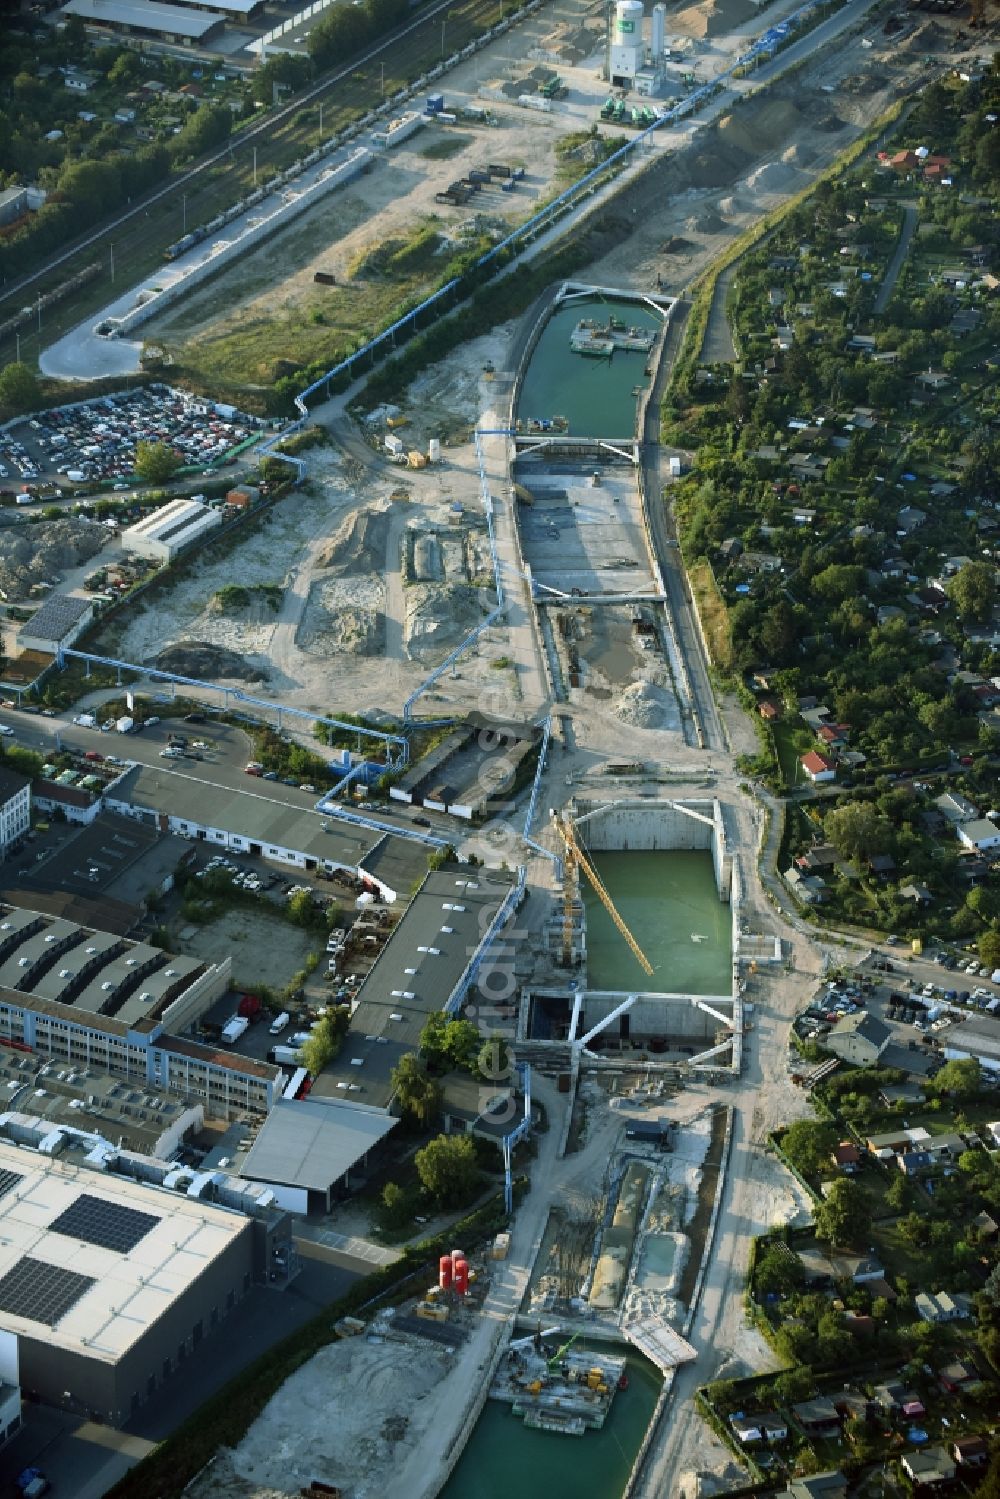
(626, 52)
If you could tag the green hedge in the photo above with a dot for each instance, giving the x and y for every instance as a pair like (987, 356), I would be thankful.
(225, 1418)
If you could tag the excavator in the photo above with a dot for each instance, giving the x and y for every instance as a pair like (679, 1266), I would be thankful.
(575, 860)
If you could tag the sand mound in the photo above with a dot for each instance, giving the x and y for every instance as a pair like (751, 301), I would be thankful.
(438, 616)
(713, 17)
(731, 207)
(645, 705)
(359, 544)
(772, 177)
(798, 155)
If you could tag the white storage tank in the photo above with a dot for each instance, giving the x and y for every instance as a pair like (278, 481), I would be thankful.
(658, 38)
(627, 51)
(434, 450)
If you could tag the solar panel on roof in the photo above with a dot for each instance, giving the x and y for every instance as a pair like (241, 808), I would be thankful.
(106, 1224)
(8, 1181)
(42, 1292)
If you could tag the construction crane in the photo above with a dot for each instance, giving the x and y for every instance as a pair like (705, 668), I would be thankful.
(558, 1357)
(575, 859)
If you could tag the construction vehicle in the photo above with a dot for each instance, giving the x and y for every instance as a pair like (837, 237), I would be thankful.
(575, 860)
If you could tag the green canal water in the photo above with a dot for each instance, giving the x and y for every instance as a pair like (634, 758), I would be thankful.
(594, 395)
(670, 904)
(504, 1459)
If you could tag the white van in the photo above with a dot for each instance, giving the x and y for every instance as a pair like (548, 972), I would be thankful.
(280, 1023)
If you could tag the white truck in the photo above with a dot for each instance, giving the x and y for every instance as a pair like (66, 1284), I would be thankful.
(234, 1029)
(280, 1023)
(125, 725)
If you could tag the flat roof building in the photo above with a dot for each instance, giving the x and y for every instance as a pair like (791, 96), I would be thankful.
(426, 966)
(109, 1285)
(170, 23)
(170, 530)
(60, 620)
(305, 1149)
(270, 822)
(15, 808)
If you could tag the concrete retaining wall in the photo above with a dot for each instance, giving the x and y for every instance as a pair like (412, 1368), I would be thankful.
(158, 301)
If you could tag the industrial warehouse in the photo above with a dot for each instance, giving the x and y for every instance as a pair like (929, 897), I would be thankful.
(110, 1288)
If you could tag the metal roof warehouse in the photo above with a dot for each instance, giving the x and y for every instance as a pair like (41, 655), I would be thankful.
(269, 823)
(150, 16)
(306, 1146)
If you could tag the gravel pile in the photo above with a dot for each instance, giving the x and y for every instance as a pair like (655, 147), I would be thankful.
(36, 552)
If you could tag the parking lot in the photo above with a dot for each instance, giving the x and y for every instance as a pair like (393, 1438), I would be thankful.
(97, 440)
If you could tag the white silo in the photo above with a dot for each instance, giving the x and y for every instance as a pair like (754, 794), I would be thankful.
(627, 53)
(658, 37)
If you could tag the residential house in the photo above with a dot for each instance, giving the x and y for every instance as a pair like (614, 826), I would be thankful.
(766, 1427)
(978, 835)
(821, 1268)
(939, 1306)
(894, 1142)
(957, 1376)
(821, 856)
(915, 1162)
(818, 767)
(934, 380)
(910, 518)
(903, 162)
(809, 888)
(80, 81)
(860, 1325)
(847, 1157)
(829, 1485)
(903, 1093)
(833, 735)
(859, 1039)
(861, 343)
(761, 562)
(817, 1417)
(956, 808)
(854, 1405)
(970, 1452)
(985, 1226)
(928, 1468)
(917, 893)
(731, 548)
(882, 866)
(946, 1147)
(769, 709)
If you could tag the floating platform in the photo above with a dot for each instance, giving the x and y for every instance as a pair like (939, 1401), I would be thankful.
(568, 1392)
(600, 340)
(542, 424)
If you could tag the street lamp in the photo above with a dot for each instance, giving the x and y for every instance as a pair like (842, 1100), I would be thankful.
(184, 213)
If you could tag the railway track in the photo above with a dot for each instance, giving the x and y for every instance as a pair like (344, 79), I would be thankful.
(140, 235)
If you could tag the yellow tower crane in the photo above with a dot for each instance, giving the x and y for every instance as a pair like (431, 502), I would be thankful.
(575, 859)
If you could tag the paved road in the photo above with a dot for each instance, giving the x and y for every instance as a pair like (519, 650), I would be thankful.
(885, 291)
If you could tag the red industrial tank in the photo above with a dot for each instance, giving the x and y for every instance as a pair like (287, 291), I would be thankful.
(445, 1267)
(461, 1267)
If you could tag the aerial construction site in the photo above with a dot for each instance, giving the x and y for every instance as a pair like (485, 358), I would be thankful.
(475, 1032)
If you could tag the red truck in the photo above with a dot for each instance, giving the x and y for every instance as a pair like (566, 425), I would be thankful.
(250, 1006)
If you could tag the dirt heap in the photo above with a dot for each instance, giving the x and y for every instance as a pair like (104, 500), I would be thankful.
(344, 618)
(359, 545)
(798, 155)
(707, 222)
(33, 553)
(438, 616)
(712, 17)
(646, 705)
(767, 122)
(198, 658)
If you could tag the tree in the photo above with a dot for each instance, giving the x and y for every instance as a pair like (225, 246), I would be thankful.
(19, 390)
(494, 1062)
(156, 462)
(450, 1043)
(778, 1272)
(973, 591)
(808, 1144)
(857, 830)
(899, 1193)
(989, 948)
(325, 1040)
(960, 1079)
(448, 1169)
(418, 1095)
(843, 1217)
